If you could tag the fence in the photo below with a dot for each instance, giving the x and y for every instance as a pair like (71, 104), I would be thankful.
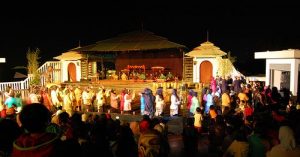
(25, 84)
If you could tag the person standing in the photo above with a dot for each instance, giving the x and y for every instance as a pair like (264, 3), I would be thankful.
(209, 101)
(142, 99)
(122, 99)
(159, 101)
(114, 101)
(78, 97)
(175, 102)
(100, 100)
(149, 102)
(128, 98)
(237, 85)
(213, 84)
(195, 104)
(198, 119)
(225, 100)
(86, 99)
(54, 97)
(189, 99)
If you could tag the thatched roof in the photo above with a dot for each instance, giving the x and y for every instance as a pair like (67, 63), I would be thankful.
(206, 49)
(70, 55)
(132, 41)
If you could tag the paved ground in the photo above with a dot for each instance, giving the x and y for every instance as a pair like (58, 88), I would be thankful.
(176, 145)
(175, 125)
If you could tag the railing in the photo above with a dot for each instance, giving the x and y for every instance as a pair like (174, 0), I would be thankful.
(25, 84)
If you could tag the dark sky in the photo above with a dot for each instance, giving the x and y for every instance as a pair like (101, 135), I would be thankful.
(242, 28)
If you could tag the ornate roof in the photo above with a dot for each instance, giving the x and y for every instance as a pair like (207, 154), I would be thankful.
(132, 41)
(70, 55)
(206, 50)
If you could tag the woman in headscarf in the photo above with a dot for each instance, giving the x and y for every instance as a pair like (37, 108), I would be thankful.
(287, 146)
(159, 101)
(189, 99)
(149, 102)
(195, 104)
(213, 84)
(175, 102)
(209, 101)
(128, 98)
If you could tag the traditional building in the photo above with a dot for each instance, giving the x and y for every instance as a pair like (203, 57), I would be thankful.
(71, 66)
(206, 61)
(134, 49)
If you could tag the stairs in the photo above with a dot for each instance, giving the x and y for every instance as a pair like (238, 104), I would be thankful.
(188, 69)
(84, 69)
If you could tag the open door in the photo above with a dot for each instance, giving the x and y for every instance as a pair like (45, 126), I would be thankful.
(206, 70)
(72, 72)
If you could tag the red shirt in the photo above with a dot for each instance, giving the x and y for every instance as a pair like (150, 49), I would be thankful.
(248, 111)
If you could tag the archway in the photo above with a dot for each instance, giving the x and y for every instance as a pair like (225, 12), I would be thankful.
(72, 72)
(206, 70)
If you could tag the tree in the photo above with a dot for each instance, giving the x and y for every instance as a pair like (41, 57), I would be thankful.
(33, 65)
(225, 66)
(232, 59)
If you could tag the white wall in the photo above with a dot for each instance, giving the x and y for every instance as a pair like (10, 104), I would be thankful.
(294, 72)
(196, 68)
(64, 69)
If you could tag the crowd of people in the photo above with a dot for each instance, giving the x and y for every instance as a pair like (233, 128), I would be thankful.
(243, 120)
(239, 119)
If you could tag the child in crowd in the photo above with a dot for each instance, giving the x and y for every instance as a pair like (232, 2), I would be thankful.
(198, 119)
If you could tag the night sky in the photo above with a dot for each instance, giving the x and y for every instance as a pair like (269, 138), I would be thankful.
(241, 28)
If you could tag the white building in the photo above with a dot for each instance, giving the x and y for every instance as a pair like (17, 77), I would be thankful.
(206, 64)
(282, 68)
(70, 66)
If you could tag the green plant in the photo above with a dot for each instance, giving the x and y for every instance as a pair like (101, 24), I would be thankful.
(33, 65)
(36, 80)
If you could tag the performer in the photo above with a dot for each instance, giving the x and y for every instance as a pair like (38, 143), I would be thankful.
(128, 98)
(54, 97)
(114, 100)
(100, 100)
(78, 95)
(149, 102)
(122, 99)
(86, 99)
(142, 99)
(175, 102)
(159, 101)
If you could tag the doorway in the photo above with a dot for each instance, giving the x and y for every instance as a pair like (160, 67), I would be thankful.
(72, 72)
(206, 70)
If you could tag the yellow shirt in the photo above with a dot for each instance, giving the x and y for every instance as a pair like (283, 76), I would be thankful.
(243, 96)
(225, 99)
(198, 119)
